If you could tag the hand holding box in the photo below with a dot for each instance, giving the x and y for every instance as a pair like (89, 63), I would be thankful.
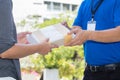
(55, 33)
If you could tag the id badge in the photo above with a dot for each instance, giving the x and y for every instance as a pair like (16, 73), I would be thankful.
(91, 25)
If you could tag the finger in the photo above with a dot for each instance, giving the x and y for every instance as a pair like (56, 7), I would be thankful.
(74, 44)
(47, 40)
(77, 43)
(80, 42)
(71, 42)
(76, 30)
(82, 39)
(26, 32)
(76, 40)
(73, 31)
(54, 46)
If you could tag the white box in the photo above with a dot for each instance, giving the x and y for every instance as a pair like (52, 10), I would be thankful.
(55, 33)
(51, 74)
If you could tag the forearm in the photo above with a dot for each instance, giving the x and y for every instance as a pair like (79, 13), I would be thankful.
(111, 35)
(19, 50)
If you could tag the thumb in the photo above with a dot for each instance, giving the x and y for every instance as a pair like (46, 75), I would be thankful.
(71, 32)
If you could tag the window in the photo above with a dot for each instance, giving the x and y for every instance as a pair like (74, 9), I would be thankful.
(56, 6)
(74, 7)
(48, 5)
(66, 7)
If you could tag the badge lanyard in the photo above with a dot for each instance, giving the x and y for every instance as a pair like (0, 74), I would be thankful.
(92, 24)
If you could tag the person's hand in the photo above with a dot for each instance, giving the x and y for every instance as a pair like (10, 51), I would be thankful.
(81, 36)
(75, 30)
(21, 37)
(46, 47)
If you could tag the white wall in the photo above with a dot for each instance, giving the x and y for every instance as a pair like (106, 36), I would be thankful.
(23, 8)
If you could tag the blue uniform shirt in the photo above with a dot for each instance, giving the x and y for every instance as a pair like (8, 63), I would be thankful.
(107, 16)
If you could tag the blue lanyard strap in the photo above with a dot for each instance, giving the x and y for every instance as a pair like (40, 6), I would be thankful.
(93, 11)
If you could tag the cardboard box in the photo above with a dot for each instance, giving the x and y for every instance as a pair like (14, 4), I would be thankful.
(55, 33)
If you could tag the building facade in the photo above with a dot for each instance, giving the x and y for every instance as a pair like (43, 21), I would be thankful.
(44, 8)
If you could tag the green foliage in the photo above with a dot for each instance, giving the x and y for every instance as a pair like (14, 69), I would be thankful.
(62, 17)
(67, 69)
(37, 62)
(48, 22)
(62, 59)
(53, 59)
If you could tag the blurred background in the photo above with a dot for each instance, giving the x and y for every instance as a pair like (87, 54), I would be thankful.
(30, 15)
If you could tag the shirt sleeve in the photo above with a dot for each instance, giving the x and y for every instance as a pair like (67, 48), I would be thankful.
(117, 14)
(78, 19)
